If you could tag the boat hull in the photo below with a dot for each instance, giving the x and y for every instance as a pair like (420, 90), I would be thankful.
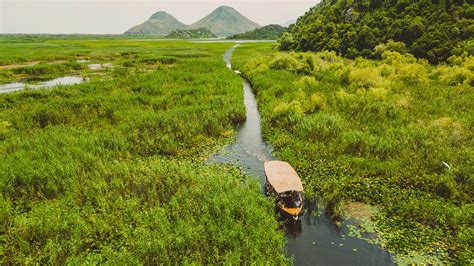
(294, 213)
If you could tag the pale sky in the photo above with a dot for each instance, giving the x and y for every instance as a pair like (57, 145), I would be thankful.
(116, 16)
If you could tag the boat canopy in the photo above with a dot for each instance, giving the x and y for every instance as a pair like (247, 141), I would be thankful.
(282, 177)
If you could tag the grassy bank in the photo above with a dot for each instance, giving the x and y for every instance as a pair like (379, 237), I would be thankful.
(396, 133)
(112, 170)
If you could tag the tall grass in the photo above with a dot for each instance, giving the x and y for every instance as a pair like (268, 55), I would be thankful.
(380, 132)
(111, 170)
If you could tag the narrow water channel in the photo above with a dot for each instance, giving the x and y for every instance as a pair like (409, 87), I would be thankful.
(314, 240)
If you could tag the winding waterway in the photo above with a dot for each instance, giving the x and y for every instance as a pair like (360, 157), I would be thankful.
(314, 240)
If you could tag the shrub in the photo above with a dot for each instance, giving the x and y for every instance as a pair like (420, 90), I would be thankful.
(307, 84)
(356, 143)
(257, 65)
(367, 77)
(412, 74)
(287, 114)
(395, 58)
(284, 61)
(379, 94)
(286, 42)
(457, 76)
(165, 60)
(391, 46)
(289, 63)
(385, 70)
(314, 103)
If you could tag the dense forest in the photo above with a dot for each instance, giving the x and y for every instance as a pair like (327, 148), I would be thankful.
(269, 32)
(434, 30)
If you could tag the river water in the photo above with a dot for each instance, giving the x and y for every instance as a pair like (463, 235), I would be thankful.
(314, 240)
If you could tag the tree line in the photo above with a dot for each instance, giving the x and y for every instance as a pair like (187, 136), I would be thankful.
(434, 30)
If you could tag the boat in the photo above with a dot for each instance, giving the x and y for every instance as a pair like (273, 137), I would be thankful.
(283, 183)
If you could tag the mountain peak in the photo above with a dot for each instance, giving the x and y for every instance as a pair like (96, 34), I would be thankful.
(160, 23)
(225, 8)
(225, 21)
(226, 11)
(160, 15)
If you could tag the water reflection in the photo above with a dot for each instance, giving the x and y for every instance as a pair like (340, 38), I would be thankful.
(16, 86)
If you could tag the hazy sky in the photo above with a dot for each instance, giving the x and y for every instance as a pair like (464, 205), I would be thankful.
(116, 16)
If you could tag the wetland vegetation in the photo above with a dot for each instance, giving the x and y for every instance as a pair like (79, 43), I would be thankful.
(395, 133)
(113, 170)
(116, 170)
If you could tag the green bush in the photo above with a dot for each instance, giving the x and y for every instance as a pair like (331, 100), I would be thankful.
(287, 114)
(289, 63)
(392, 46)
(286, 42)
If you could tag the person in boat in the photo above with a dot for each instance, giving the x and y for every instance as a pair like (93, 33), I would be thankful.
(297, 201)
(283, 181)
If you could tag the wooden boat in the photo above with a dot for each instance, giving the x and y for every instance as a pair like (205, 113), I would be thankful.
(284, 184)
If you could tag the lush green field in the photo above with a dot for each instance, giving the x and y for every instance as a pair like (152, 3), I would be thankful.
(378, 132)
(112, 170)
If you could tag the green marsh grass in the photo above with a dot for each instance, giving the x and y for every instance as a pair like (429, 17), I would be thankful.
(379, 132)
(112, 170)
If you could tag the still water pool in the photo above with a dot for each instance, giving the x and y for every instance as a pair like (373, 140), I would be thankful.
(16, 86)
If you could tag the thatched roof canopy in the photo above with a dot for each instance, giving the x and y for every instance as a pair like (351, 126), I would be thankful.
(282, 177)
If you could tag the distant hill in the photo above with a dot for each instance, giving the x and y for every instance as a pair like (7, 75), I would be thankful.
(200, 33)
(269, 32)
(160, 23)
(225, 21)
(288, 23)
(434, 30)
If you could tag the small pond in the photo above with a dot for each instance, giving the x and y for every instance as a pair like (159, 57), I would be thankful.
(16, 86)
